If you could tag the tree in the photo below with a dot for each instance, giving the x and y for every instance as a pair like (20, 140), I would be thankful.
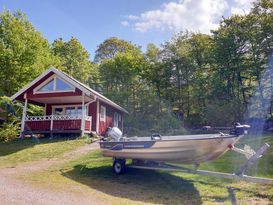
(111, 46)
(24, 53)
(74, 60)
(120, 76)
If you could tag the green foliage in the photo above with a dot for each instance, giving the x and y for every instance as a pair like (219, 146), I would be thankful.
(74, 60)
(9, 110)
(24, 53)
(111, 47)
(191, 80)
(9, 131)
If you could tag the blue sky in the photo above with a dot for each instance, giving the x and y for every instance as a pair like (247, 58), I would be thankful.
(138, 21)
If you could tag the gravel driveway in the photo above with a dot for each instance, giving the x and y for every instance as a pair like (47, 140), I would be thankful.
(15, 191)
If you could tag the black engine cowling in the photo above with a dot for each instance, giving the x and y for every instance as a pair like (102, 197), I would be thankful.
(239, 129)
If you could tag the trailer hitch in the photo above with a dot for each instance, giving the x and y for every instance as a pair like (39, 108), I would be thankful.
(258, 154)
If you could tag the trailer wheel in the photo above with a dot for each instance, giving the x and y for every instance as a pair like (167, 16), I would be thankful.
(119, 166)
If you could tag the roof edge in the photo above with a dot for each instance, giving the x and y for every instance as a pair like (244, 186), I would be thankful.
(74, 82)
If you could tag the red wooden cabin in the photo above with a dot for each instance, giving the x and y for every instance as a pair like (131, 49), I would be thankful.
(69, 106)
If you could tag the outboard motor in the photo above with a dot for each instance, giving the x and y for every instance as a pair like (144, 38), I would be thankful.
(113, 133)
(239, 129)
(156, 136)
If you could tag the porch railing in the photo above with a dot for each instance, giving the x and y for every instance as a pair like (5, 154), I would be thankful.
(57, 122)
(56, 117)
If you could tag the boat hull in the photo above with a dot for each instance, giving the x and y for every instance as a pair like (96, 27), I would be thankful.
(187, 150)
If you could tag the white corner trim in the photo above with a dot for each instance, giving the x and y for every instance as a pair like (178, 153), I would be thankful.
(97, 116)
(102, 107)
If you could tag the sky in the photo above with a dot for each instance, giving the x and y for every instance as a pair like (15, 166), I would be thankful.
(138, 21)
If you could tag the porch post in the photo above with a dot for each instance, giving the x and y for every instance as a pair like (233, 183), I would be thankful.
(97, 117)
(83, 115)
(24, 117)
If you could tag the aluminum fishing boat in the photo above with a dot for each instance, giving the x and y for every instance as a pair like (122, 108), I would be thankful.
(156, 152)
(186, 149)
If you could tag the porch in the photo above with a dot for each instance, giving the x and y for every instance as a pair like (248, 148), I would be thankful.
(57, 124)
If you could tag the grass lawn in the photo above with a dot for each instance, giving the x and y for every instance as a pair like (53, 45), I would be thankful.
(27, 150)
(92, 174)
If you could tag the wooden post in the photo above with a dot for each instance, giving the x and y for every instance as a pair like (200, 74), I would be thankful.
(83, 116)
(98, 117)
(51, 124)
(24, 117)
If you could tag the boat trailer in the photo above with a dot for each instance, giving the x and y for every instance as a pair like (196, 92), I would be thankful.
(119, 166)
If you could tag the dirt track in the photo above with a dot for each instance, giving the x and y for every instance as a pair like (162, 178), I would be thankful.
(15, 191)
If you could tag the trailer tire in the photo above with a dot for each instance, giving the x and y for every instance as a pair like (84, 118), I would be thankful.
(119, 166)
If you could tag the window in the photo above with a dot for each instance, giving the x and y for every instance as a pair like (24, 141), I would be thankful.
(79, 110)
(70, 111)
(115, 119)
(102, 113)
(54, 85)
(48, 87)
(58, 111)
(61, 85)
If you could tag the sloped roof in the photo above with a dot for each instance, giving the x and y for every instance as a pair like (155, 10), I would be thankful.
(84, 88)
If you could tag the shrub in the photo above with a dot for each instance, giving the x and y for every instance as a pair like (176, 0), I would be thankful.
(8, 131)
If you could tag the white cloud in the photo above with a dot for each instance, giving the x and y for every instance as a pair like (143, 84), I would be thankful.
(241, 7)
(132, 17)
(193, 15)
(125, 23)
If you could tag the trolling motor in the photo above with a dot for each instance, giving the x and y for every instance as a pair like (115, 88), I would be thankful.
(239, 129)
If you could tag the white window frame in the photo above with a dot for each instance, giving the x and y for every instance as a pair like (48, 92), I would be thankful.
(102, 113)
(54, 77)
(65, 106)
(116, 119)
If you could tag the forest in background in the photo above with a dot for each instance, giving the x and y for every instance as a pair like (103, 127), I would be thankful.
(189, 81)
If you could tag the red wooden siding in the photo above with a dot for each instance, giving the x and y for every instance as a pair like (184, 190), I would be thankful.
(48, 109)
(93, 112)
(67, 125)
(37, 125)
(58, 125)
(109, 122)
(87, 125)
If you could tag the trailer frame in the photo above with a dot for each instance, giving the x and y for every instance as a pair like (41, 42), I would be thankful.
(251, 156)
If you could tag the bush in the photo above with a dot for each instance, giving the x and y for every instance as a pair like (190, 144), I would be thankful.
(8, 131)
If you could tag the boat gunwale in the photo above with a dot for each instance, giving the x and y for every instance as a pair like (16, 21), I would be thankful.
(166, 140)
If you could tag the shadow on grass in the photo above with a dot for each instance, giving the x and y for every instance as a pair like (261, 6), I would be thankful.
(137, 185)
(7, 148)
(152, 186)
